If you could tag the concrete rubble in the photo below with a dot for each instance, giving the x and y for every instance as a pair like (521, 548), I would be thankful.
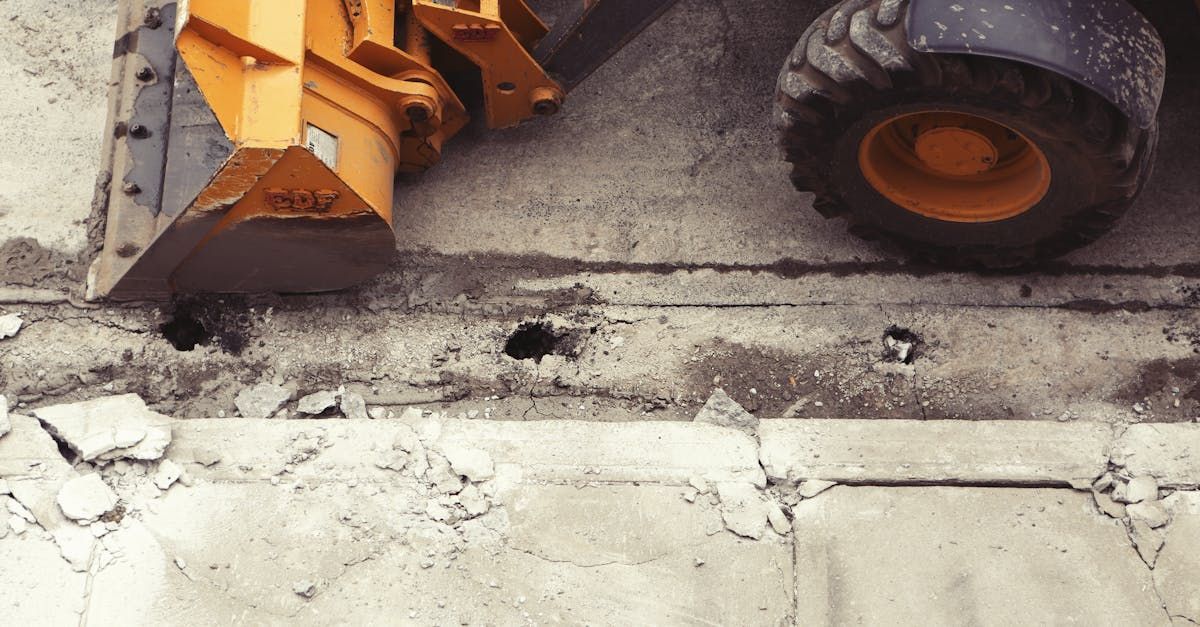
(10, 325)
(109, 428)
(317, 403)
(722, 411)
(86, 498)
(261, 400)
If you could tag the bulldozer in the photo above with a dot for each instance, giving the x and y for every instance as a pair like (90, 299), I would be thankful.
(253, 144)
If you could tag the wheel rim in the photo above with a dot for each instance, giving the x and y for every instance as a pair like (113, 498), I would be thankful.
(954, 166)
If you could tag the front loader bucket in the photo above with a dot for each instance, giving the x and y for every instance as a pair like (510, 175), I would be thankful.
(232, 171)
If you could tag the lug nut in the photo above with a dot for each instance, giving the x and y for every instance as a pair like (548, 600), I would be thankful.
(145, 73)
(139, 131)
(546, 101)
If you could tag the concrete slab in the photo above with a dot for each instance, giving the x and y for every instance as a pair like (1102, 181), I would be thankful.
(553, 451)
(980, 556)
(1177, 571)
(935, 451)
(1169, 452)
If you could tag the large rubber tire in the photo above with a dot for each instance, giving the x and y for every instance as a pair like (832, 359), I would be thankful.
(853, 69)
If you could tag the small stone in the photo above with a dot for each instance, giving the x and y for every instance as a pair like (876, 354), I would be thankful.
(689, 495)
(305, 588)
(473, 463)
(378, 413)
(353, 406)
(1143, 488)
(812, 487)
(1106, 504)
(86, 498)
(10, 325)
(168, 472)
(778, 520)
(1139, 408)
(699, 562)
(317, 403)
(1150, 512)
(723, 411)
(261, 401)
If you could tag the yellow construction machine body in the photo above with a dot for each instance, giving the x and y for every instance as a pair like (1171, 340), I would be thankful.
(255, 142)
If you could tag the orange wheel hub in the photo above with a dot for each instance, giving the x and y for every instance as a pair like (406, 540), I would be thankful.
(954, 166)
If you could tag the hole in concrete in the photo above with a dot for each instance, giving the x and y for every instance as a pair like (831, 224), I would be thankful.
(901, 345)
(535, 340)
(185, 330)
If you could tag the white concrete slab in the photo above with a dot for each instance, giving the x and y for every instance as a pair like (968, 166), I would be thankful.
(966, 556)
(937, 451)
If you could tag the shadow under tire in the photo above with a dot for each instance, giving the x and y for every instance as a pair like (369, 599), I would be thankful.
(853, 77)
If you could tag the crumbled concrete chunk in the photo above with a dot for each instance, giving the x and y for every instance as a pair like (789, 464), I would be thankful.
(723, 411)
(699, 484)
(86, 498)
(16, 509)
(473, 501)
(97, 429)
(317, 403)
(1150, 512)
(1103, 482)
(812, 487)
(353, 406)
(261, 401)
(1147, 540)
(744, 509)
(440, 475)
(473, 463)
(1106, 504)
(17, 524)
(10, 325)
(305, 588)
(168, 472)
(778, 520)
(377, 413)
(5, 424)
(1143, 488)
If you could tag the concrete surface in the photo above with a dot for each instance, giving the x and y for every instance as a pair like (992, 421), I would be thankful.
(978, 556)
(347, 521)
(651, 227)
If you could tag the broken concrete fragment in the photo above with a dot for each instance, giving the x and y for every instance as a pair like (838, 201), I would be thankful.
(1103, 482)
(1142, 488)
(91, 428)
(1147, 540)
(86, 498)
(353, 406)
(126, 437)
(16, 509)
(778, 520)
(17, 524)
(168, 472)
(377, 413)
(698, 483)
(5, 424)
(812, 487)
(440, 475)
(305, 588)
(10, 325)
(317, 402)
(1150, 512)
(473, 463)
(261, 401)
(1108, 506)
(723, 411)
(473, 501)
(744, 509)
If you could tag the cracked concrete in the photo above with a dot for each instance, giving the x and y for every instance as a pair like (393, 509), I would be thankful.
(675, 251)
